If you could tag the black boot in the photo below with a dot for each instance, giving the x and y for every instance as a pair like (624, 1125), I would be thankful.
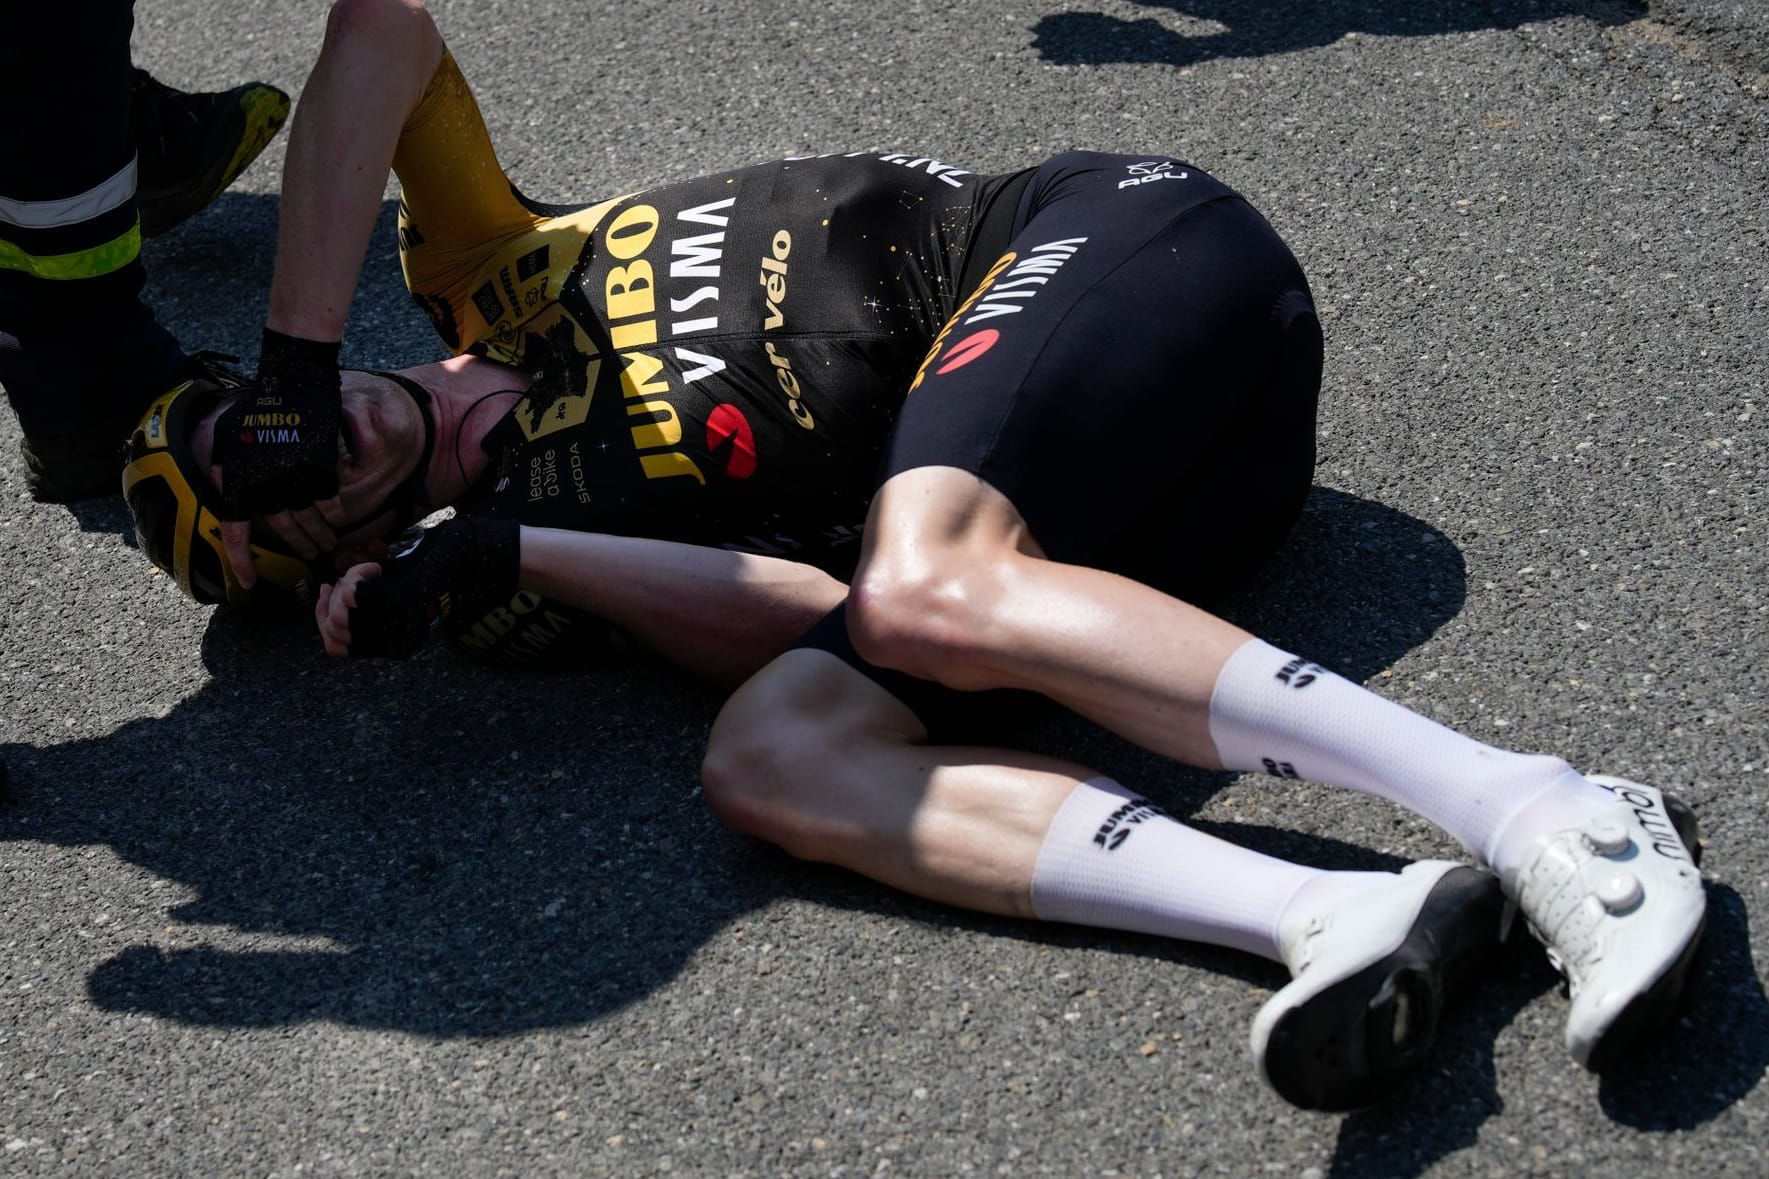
(192, 146)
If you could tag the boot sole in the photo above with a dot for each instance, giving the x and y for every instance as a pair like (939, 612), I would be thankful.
(1358, 1040)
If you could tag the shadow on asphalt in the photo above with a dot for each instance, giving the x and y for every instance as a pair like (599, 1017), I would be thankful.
(1355, 586)
(1457, 1091)
(1713, 1056)
(432, 847)
(209, 280)
(1719, 1048)
(457, 851)
(1251, 28)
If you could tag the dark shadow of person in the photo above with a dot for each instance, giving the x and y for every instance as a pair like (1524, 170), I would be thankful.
(429, 846)
(1447, 1101)
(1253, 29)
(485, 851)
(1713, 1056)
(1719, 1048)
(446, 849)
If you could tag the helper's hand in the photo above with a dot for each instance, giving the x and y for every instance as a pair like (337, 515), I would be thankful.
(276, 452)
(388, 610)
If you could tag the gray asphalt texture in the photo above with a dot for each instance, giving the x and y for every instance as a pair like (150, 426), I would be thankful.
(266, 914)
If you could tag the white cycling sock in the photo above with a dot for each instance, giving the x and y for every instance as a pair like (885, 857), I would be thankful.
(1115, 860)
(1275, 712)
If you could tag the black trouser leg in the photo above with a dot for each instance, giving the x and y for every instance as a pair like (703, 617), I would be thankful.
(80, 353)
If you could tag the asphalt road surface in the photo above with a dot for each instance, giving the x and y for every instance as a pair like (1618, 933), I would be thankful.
(265, 914)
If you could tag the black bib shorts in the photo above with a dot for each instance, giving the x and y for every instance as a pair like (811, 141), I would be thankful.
(1138, 375)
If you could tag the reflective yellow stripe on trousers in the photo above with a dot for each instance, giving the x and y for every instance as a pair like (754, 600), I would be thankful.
(112, 255)
(91, 262)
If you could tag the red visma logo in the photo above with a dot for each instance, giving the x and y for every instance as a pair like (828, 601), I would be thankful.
(725, 424)
(967, 350)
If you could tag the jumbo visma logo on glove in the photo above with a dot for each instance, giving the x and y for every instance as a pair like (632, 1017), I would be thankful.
(270, 427)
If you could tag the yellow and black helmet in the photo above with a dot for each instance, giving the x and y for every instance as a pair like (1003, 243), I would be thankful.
(177, 509)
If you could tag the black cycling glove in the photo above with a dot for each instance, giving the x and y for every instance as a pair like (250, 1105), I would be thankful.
(476, 556)
(277, 445)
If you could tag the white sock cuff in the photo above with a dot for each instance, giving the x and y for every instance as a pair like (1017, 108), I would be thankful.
(1113, 859)
(1090, 804)
(1240, 702)
(1277, 713)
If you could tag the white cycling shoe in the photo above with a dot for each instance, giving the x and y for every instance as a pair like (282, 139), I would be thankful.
(1619, 904)
(1370, 976)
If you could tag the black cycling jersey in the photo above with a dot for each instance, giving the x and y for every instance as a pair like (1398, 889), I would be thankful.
(723, 361)
(1112, 342)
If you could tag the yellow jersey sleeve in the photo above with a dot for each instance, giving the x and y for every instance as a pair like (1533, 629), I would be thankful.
(485, 268)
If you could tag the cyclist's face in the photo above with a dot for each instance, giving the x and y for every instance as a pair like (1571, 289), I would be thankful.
(380, 442)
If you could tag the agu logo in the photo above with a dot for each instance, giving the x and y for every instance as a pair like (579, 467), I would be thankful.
(1149, 172)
